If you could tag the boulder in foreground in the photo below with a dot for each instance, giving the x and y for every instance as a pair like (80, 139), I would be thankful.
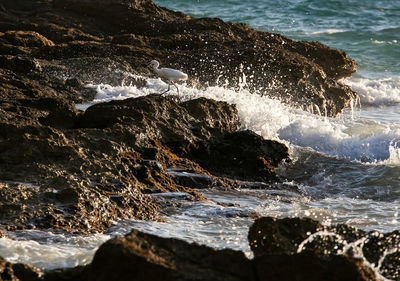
(140, 256)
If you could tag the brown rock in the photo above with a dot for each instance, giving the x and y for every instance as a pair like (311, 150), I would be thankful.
(27, 39)
(273, 237)
(241, 155)
(78, 171)
(71, 170)
(140, 256)
(79, 273)
(18, 272)
(307, 266)
(280, 236)
(304, 74)
(176, 125)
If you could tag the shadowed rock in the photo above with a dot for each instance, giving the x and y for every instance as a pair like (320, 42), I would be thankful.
(79, 171)
(242, 155)
(289, 236)
(310, 267)
(140, 256)
(18, 272)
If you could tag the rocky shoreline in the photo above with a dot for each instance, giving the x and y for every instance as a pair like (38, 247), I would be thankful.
(282, 250)
(78, 170)
(65, 169)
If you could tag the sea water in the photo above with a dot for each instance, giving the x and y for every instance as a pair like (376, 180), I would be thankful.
(347, 169)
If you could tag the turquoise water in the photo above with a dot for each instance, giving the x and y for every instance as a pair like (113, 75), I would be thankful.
(368, 30)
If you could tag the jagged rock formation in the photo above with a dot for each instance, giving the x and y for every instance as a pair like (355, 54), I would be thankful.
(140, 256)
(324, 255)
(91, 40)
(77, 171)
(96, 166)
(81, 162)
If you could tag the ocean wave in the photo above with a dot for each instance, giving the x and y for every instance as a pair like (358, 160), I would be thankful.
(328, 31)
(376, 92)
(384, 42)
(363, 139)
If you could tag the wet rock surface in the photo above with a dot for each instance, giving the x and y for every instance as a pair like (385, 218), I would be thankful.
(18, 272)
(308, 266)
(61, 168)
(101, 41)
(142, 256)
(77, 171)
(289, 236)
(101, 165)
(64, 169)
(243, 155)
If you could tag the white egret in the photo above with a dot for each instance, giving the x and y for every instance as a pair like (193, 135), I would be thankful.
(172, 75)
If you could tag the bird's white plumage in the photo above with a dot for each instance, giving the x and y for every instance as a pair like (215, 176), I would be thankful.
(172, 75)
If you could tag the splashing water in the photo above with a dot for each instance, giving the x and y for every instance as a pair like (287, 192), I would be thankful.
(346, 168)
(360, 139)
(377, 92)
(50, 250)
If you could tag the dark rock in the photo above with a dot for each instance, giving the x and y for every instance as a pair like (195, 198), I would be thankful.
(179, 126)
(27, 272)
(19, 63)
(289, 236)
(307, 266)
(74, 82)
(60, 168)
(79, 273)
(382, 249)
(62, 114)
(79, 172)
(280, 236)
(158, 117)
(124, 33)
(6, 271)
(188, 127)
(140, 256)
(213, 114)
(243, 155)
(18, 272)
(192, 180)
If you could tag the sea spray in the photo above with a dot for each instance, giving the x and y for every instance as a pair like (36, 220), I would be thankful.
(376, 92)
(49, 250)
(357, 139)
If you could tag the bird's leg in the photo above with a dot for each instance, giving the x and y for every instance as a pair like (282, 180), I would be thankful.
(176, 87)
(167, 89)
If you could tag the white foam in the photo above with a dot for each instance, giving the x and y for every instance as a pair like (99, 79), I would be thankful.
(384, 42)
(352, 138)
(49, 251)
(376, 92)
(328, 31)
